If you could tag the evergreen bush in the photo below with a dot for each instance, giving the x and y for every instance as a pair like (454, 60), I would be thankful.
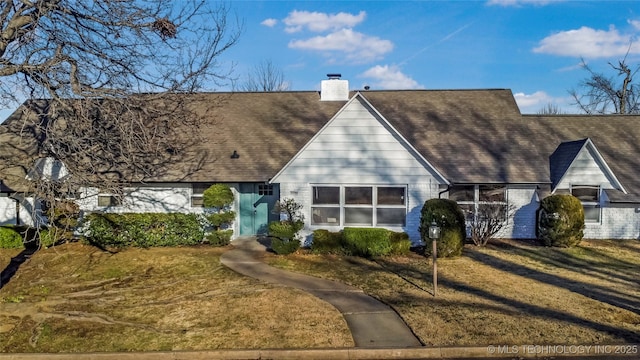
(367, 242)
(400, 243)
(10, 238)
(285, 233)
(560, 221)
(284, 247)
(448, 215)
(327, 242)
(144, 230)
(218, 199)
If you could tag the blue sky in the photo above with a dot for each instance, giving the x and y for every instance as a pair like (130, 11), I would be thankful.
(532, 47)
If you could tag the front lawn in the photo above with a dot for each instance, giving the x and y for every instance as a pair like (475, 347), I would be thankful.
(76, 298)
(507, 293)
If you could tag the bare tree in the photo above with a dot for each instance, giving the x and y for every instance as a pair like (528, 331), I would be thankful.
(488, 221)
(550, 109)
(106, 81)
(609, 95)
(265, 77)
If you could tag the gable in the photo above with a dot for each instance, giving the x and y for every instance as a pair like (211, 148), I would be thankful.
(580, 163)
(357, 146)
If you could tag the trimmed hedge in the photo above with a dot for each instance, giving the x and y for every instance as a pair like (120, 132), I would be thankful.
(10, 238)
(365, 242)
(448, 215)
(327, 242)
(560, 221)
(144, 230)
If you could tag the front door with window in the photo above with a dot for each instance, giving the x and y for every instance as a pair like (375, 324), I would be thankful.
(256, 207)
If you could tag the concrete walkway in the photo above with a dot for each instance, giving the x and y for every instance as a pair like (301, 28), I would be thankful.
(372, 323)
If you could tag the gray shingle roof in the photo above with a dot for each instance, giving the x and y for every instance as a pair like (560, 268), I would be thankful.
(470, 136)
(562, 158)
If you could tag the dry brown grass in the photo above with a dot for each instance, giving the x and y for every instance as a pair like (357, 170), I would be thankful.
(77, 298)
(506, 293)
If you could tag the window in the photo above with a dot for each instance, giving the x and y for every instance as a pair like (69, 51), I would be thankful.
(325, 208)
(265, 189)
(590, 197)
(359, 205)
(478, 201)
(108, 200)
(197, 189)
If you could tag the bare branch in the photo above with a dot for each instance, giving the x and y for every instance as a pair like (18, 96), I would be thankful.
(265, 77)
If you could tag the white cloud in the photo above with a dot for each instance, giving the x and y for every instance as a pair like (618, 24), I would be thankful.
(269, 22)
(319, 22)
(533, 103)
(635, 24)
(357, 47)
(520, 2)
(589, 43)
(389, 77)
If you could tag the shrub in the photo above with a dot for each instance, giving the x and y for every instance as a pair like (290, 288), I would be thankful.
(144, 230)
(327, 242)
(284, 247)
(367, 242)
(400, 243)
(219, 238)
(10, 239)
(285, 233)
(52, 236)
(285, 230)
(219, 197)
(63, 220)
(560, 221)
(448, 215)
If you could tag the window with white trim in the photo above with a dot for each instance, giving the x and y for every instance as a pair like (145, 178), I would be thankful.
(359, 205)
(480, 200)
(589, 196)
(197, 190)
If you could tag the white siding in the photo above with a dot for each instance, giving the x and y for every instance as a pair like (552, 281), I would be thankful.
(616, 223)
(585, 170)
(156, 198)
(356, 148)
(522, 224)
(8, 211)
(163, 198)
(359, 148)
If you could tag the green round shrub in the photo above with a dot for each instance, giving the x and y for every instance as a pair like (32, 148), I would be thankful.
(560, 221)
(448, 215)
(10, 239)
(217, 196)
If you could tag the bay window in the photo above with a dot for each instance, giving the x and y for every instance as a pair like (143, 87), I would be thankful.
(359, 205)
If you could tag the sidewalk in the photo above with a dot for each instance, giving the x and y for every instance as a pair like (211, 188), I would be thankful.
(372, 323)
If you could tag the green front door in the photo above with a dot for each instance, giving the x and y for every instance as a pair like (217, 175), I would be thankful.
(256, 205)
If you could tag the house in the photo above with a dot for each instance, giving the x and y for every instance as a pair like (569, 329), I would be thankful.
(372, 158)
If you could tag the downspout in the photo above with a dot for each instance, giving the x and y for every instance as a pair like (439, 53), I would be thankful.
(444, 191)
(17, 211)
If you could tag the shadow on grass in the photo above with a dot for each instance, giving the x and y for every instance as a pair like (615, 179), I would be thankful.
(606, 267)
(12, 268)
(512, 307)
(596, 292)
